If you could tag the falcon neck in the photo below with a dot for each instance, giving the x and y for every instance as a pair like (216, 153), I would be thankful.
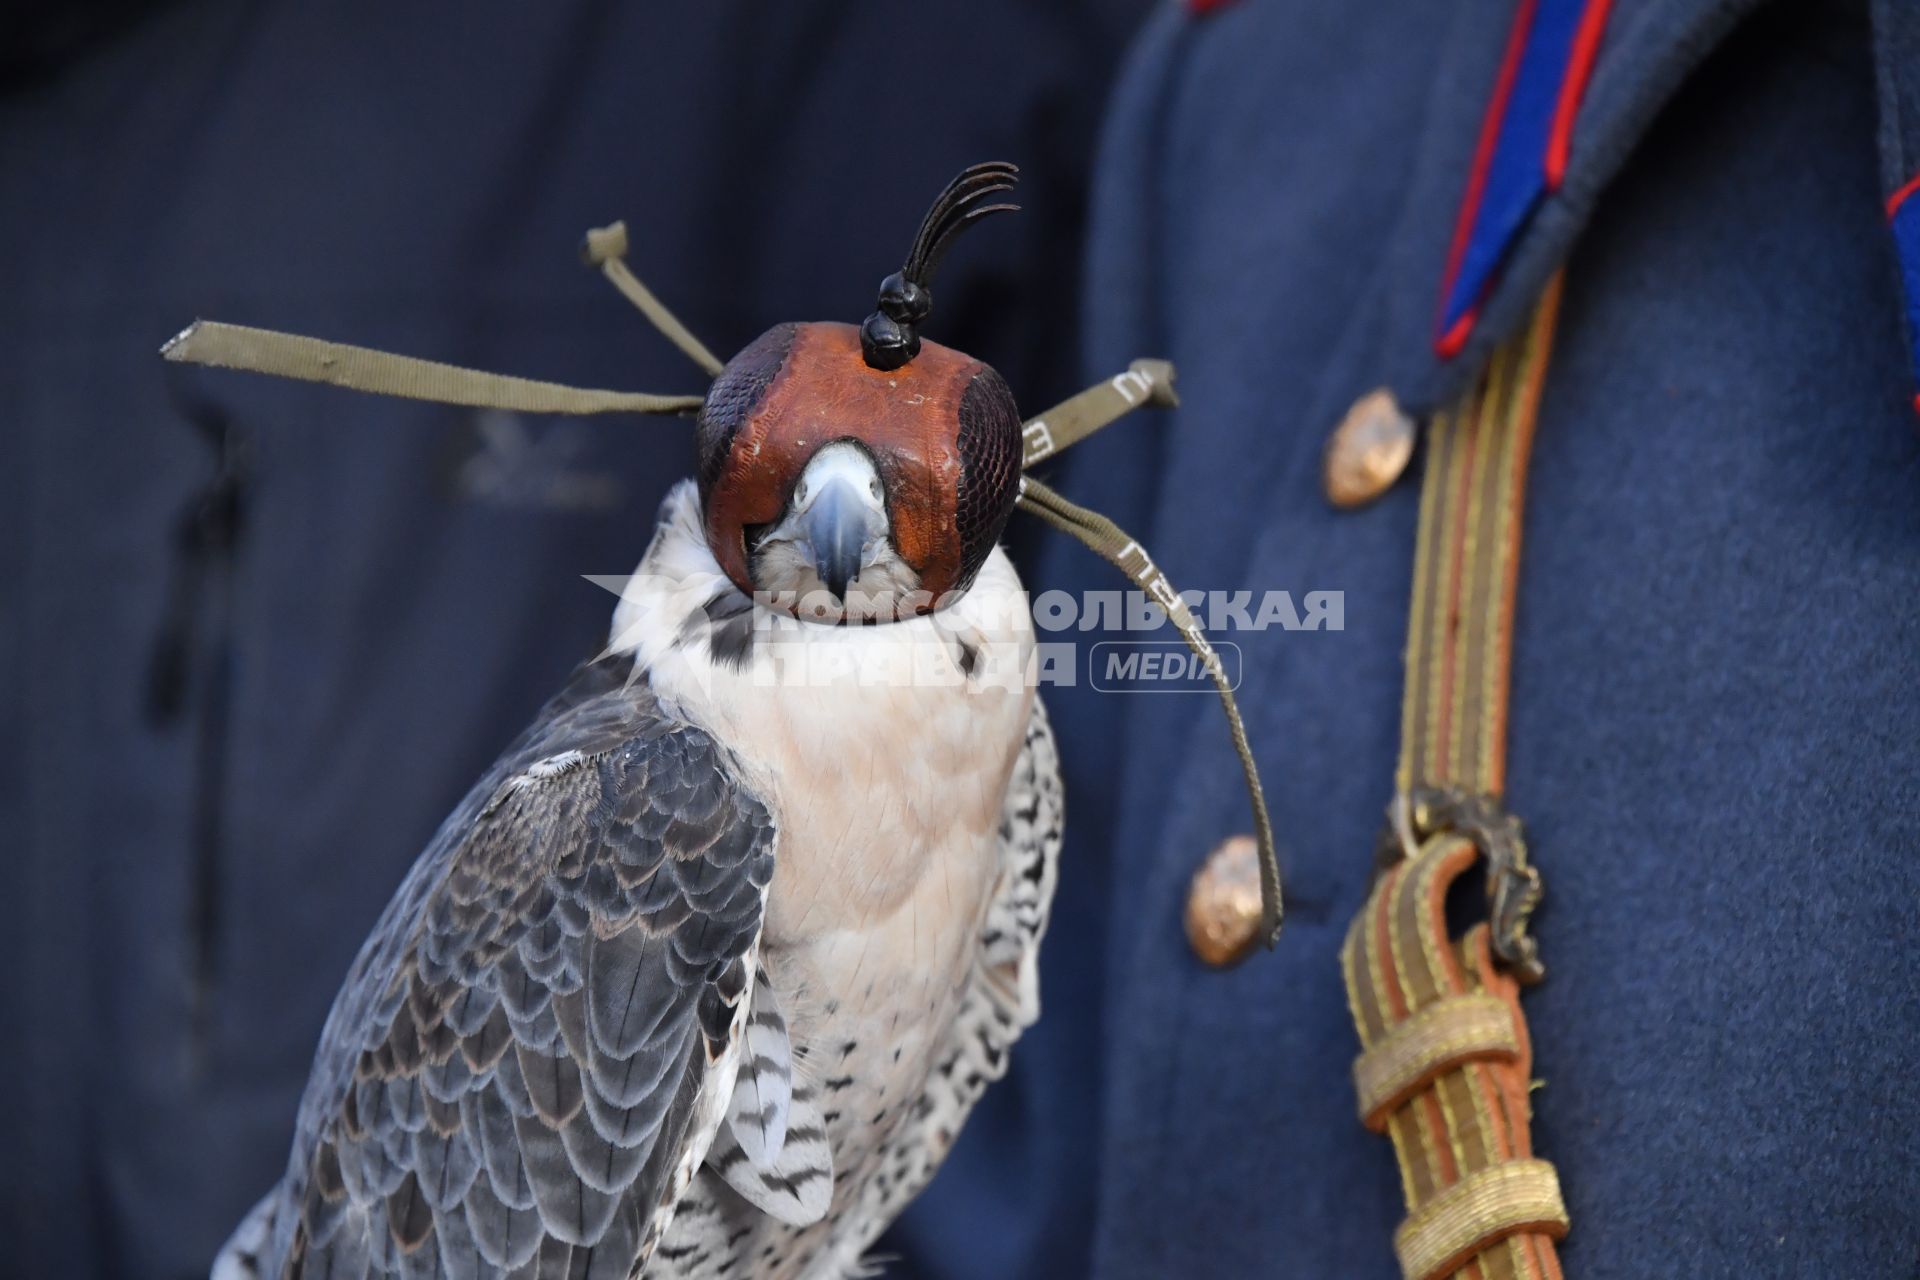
(883, 751)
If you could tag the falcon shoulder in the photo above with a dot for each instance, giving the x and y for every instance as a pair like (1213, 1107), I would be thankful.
(535, 1048)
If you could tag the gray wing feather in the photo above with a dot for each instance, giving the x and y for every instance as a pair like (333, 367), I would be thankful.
(519, 1068)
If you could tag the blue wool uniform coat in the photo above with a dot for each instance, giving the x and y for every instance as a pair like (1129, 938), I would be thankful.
(1716, 696)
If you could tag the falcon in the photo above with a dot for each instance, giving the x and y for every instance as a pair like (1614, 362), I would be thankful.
(704, 975)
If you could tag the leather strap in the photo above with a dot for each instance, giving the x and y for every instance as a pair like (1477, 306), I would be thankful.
(1445, 1064)
(1148, 382)
(287, 355)
(606, 248)
(1117, 548)
(1145, 382)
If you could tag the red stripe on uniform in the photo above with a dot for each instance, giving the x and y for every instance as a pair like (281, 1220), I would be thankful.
(1443, 762)
(1899, 197)
(1455, 338)
(1477, 176)
(1586, 46)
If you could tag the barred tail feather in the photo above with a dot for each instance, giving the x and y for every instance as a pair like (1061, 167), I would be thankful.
(763, 1091)
(243, 1255)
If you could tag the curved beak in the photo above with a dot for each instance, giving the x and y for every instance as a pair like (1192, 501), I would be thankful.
(838, 525)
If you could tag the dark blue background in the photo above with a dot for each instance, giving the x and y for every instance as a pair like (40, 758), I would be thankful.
(398, 589)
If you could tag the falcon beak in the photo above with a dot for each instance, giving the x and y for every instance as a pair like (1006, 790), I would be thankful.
(837, 528)
(840, 514)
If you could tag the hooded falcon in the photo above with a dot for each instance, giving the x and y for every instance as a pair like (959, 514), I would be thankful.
(704, 975)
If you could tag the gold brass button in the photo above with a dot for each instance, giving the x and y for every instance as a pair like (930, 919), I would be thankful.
(1223, 903)
(1368, 450)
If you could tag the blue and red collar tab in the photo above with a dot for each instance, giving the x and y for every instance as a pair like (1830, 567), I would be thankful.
(1903, 219)
(1525, 139)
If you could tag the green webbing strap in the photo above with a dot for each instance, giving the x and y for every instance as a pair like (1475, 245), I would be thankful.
(286, 355)
(1112, 544)
(1146, 382)
(606, 248)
